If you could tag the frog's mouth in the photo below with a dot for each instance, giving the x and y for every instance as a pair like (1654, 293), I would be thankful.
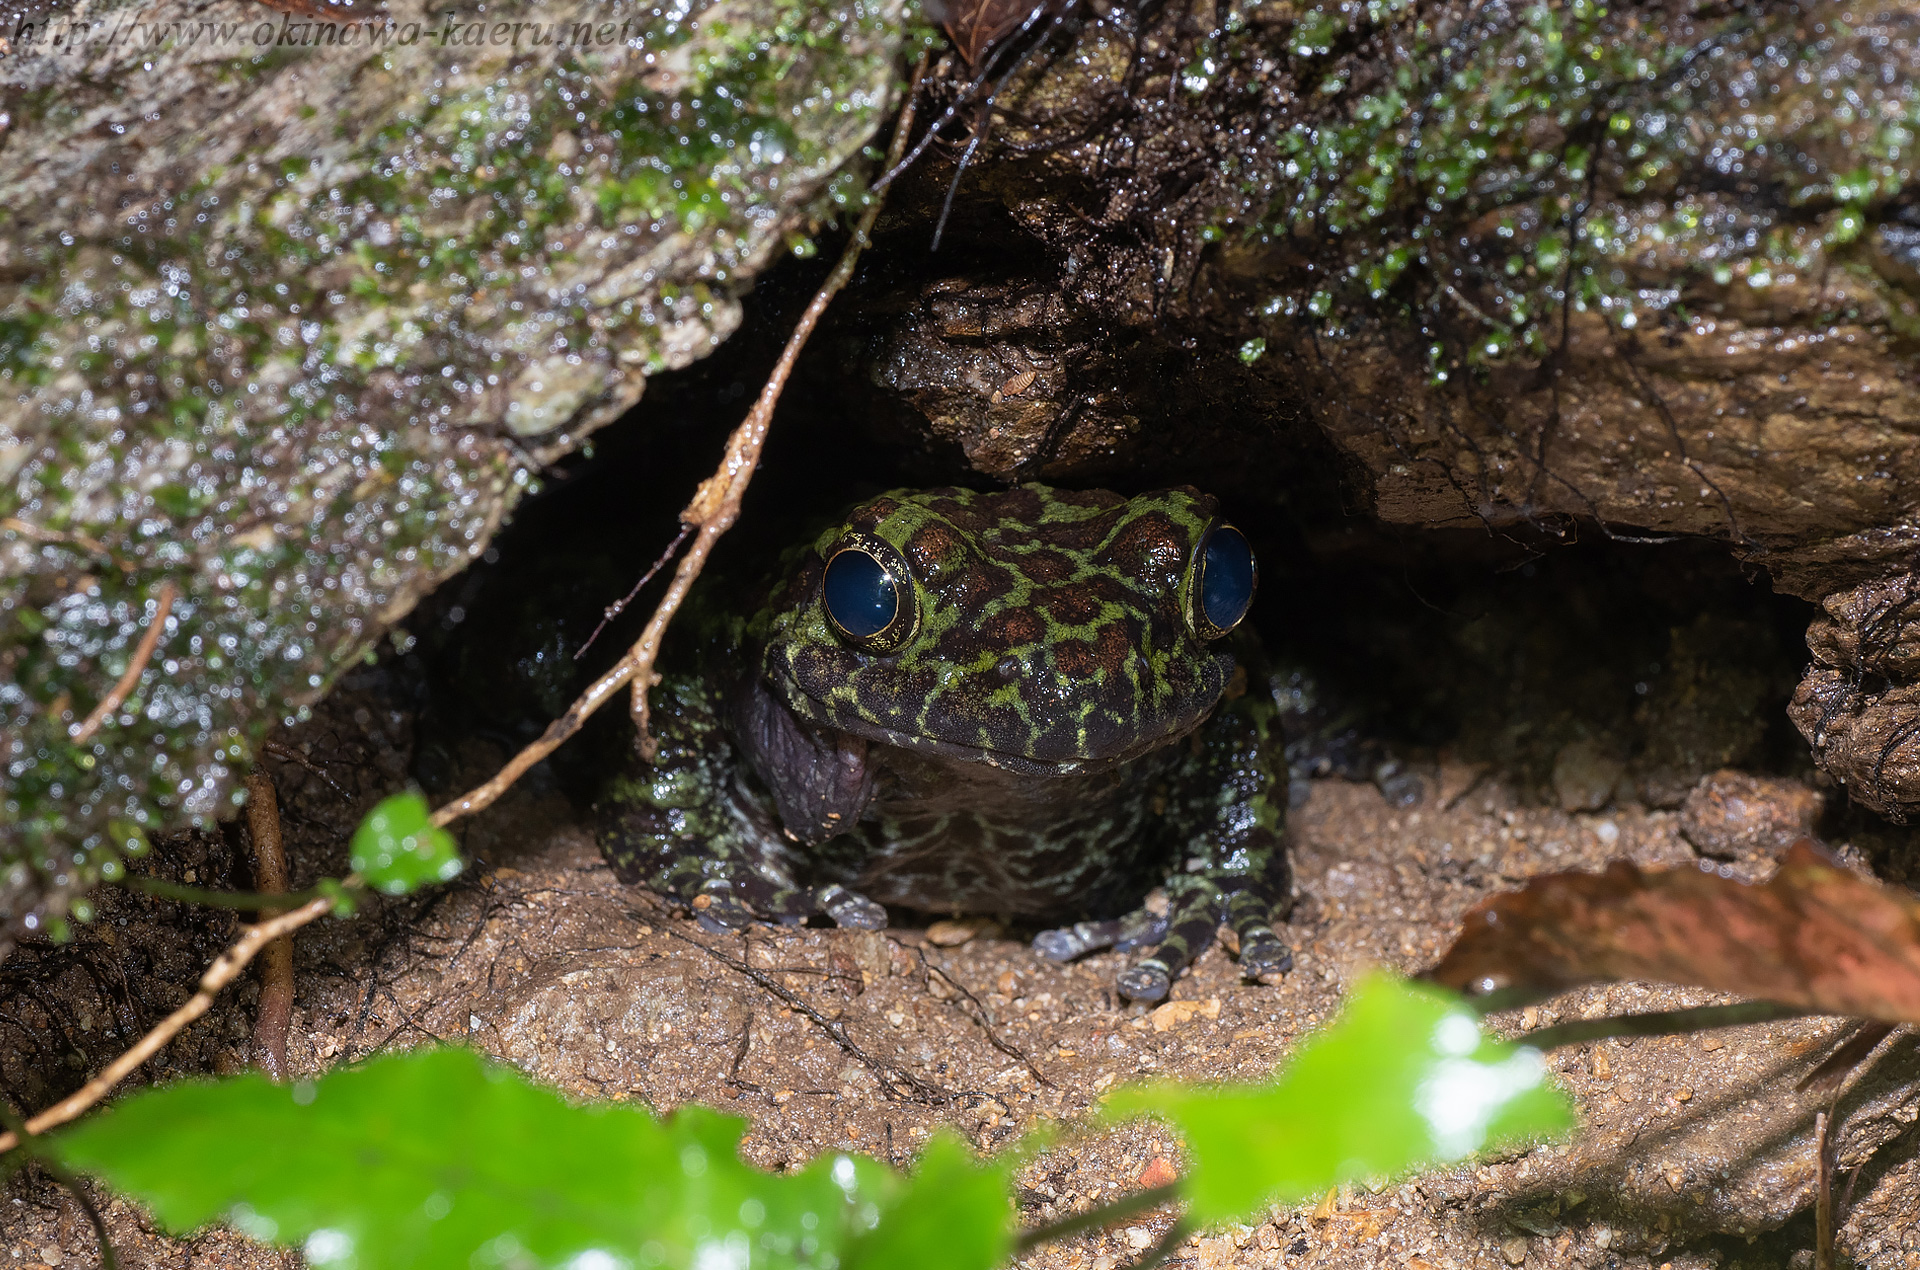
(1074, 729)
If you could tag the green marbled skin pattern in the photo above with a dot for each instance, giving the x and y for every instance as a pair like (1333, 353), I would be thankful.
(1054, 740)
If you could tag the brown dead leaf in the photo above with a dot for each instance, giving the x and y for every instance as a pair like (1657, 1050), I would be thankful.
(1813, 935)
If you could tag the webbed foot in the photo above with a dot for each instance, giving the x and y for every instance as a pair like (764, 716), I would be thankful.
(1122, 934)
(1148, 981)
(850, 908)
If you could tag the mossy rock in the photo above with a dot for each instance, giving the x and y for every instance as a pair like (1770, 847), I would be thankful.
(293, 309)
(1554, 270)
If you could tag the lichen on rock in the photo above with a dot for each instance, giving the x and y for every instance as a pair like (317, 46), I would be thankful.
(292, 321)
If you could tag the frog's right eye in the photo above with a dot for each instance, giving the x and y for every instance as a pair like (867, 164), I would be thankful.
(867, 595)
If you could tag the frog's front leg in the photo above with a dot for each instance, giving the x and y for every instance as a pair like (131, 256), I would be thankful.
(1226, 811)
(695, 826)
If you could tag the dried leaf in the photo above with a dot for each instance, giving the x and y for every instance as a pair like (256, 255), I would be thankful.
(1814, 935)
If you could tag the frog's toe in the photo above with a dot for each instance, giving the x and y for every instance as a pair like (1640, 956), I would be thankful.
(1076, 940)
(851, 909)
(1141, 929)
(1264, 955)
(721, 916)
(1148, 981)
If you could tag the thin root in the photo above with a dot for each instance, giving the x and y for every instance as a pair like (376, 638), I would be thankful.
(275, 1014)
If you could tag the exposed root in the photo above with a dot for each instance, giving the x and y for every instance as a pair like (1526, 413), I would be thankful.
(275, 1015)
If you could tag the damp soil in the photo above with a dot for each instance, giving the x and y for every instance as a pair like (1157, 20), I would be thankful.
(1694, 1151)
(1548, 706)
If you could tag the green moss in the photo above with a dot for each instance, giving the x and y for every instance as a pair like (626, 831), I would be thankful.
(1483, 175)
(281, 386)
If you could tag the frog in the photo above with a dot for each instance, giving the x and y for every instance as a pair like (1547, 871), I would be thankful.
(1036, 703)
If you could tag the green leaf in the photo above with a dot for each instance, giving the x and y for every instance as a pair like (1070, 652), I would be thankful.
(398, 847)
(438, 1159)
(956, 1213)
(1403, 1078)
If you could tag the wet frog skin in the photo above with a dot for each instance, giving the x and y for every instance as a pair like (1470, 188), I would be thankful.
(1023, 702)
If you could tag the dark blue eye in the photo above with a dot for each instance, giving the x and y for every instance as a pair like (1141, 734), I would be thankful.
(860, 595)
(1226, 579)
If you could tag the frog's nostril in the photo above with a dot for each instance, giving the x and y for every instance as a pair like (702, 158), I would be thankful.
(1010, 667)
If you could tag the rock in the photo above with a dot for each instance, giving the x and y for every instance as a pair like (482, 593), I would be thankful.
(1859, 704)
(1709, 707)
(1584, 776)
(951, 933)
(1179, 1013)
(294, 328)
(1715, 368)
(1157, 1173)
(1356, 262)
(1734, 816)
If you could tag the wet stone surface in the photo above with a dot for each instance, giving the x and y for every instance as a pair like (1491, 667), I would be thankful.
(292, 330)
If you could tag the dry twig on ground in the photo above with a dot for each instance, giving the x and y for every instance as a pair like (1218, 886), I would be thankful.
(896, 1082)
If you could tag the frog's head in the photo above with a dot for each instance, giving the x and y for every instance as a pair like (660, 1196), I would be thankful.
(1034, 629)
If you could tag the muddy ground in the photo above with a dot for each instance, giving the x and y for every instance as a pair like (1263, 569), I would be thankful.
(1694, 1151)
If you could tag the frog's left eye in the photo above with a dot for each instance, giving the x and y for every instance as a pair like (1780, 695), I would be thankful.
(1224, 578)
(867, 595)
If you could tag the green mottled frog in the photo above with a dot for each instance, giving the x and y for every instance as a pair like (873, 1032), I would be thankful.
(1025, 702)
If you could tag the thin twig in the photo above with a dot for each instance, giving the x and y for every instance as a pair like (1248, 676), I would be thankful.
(273, 749)
(274, 1016)
(715, 506)
(619, 606)
(1094, 1218)
(895, 1081)
(222, 972)
(84, 731)
(53, 537)
(985, 1020)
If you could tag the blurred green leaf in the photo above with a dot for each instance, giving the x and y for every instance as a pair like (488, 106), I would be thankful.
(438, 1159)
(1403, 1078)
(398, 847)
(956, 1212)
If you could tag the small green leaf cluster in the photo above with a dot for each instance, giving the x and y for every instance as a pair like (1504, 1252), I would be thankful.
(437, 1158)
(398, 848)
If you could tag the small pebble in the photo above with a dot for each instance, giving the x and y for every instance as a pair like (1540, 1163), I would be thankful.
(1157, 1173)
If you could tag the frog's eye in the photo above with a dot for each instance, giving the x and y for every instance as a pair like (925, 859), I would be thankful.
(867, 595)
(1223, 582)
